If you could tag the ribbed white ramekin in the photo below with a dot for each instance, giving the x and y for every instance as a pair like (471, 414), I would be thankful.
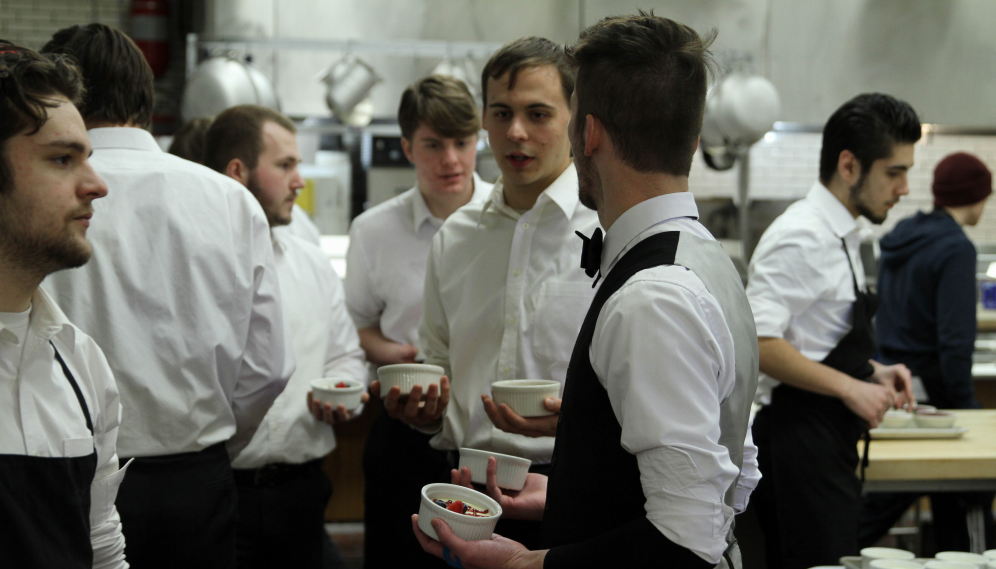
(324, 390)
(466, 527)
(511, 472)
(525, 396)
(407, 376)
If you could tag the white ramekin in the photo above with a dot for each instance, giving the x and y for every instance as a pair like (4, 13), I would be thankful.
(870, 554)
(525, 396)
(511, 473)
(896, 420)
(407, 376)
(973, 559)
(466, 527)
(945, 421)
(938, 564)
(894, 564)
(324, 390)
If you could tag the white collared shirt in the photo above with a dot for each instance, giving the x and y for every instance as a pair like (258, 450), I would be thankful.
(301, 226)
(325, 344)
(41, 415)
(505, 296)
(667, 396)
(799, 283)
(182, 295)
(388, 248)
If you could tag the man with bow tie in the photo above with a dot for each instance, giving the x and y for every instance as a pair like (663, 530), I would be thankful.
(504, 295)
(651, 463)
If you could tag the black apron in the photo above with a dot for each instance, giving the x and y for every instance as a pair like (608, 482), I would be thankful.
(807, 445)
(45, 504)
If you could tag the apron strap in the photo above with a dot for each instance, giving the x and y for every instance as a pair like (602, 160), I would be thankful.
(854, 277)
(76, 388)
(864, 453)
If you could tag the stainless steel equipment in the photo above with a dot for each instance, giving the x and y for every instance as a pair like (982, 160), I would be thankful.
(222, 82)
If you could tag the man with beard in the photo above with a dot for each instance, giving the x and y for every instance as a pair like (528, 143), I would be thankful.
(59, 405)
(182, 294)
(649, 448)
(819, 386)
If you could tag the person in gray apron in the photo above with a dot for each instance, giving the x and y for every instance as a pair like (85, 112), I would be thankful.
(813, 315)
(649, 445)
(58, 468)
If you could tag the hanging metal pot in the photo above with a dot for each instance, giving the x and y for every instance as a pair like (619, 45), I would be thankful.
(222, 82)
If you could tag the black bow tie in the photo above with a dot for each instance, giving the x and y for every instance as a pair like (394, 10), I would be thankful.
(591, 254)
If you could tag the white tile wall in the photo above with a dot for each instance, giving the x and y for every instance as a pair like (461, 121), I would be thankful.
(785, 165)
(31, 23)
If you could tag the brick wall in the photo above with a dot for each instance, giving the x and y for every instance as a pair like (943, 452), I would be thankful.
(31, 23)
(785, 165)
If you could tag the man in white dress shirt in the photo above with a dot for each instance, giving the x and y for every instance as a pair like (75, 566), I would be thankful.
(649, 465)
(388, 248)
(504, 295)
(59, 406)
(282, 488)
(183, 297)
(813, 311)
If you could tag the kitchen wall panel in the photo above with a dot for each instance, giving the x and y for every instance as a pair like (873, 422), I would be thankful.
(31, 23)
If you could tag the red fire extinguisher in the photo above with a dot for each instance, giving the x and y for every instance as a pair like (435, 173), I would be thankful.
(150, 30)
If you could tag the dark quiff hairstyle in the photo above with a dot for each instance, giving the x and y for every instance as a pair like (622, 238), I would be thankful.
(442, 103)
(868, 125)
(188, 142)
(645, 78)
(29, 83)
(118, 79)
(522, 53)
(238, 133)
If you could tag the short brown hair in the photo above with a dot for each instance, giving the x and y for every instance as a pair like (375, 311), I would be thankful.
(442, 103)
(118, 79)
(522, 53)
(29, 82)
(645, 78)
(188, 142)
(238, 133)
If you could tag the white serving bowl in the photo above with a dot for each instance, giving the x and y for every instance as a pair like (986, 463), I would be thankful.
(466, 527)
(525, 396)
(974, 559)
(870, 554)
(924, 408)
(896, 420)
(511, 472)
(324, 390)
(407, 376)
(935, 420)
(894, 564)
(948, 565)
(990, 555)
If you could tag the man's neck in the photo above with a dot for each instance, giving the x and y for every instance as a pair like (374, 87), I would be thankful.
(842, 192)
(523, 197)
(443, 206)
(959, 214)
(624, 188)
(16, 287)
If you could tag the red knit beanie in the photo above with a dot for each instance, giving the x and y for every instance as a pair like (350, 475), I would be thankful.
(961, 179)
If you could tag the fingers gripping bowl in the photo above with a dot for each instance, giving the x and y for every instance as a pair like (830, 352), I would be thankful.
(511, 473)
(407, 376)
(525, 396)
(479, 523)
(336, 392)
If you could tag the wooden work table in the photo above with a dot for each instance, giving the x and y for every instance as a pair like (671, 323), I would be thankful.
(930, 465)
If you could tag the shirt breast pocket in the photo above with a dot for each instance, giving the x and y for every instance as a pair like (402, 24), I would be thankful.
(72, 448)
(560, 310)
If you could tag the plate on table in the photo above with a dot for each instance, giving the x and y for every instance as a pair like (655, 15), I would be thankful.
(917, 433)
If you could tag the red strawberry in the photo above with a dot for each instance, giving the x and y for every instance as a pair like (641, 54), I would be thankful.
(341, 384)
(456, 507)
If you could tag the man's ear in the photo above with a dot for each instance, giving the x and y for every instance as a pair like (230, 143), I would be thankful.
(849, 167)
(238, 171)
(406, 146)
(594, 130)
(697, 140)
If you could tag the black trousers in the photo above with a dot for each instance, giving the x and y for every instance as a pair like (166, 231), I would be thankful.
(881, 510)
(397, 463)
(179, 511)
(282, 516)
(809, 497)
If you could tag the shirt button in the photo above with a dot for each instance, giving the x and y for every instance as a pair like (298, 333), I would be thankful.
(525, 226)
(511, 320)
(504, 369)
(516, 273)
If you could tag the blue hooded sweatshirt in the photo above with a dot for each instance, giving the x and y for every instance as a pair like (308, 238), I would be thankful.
(927, 317)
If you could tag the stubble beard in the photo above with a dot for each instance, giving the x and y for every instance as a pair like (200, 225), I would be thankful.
(858, 193)
(275, 218)
(38, 253)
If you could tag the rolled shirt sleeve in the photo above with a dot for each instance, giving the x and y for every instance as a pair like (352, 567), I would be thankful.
(666, 388)
(784, 280)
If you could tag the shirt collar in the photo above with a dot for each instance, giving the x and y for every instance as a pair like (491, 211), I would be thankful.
(840, 220)
(123, 137)
(641, 217)
(48, 320)
(420, 210)
(563, 192)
